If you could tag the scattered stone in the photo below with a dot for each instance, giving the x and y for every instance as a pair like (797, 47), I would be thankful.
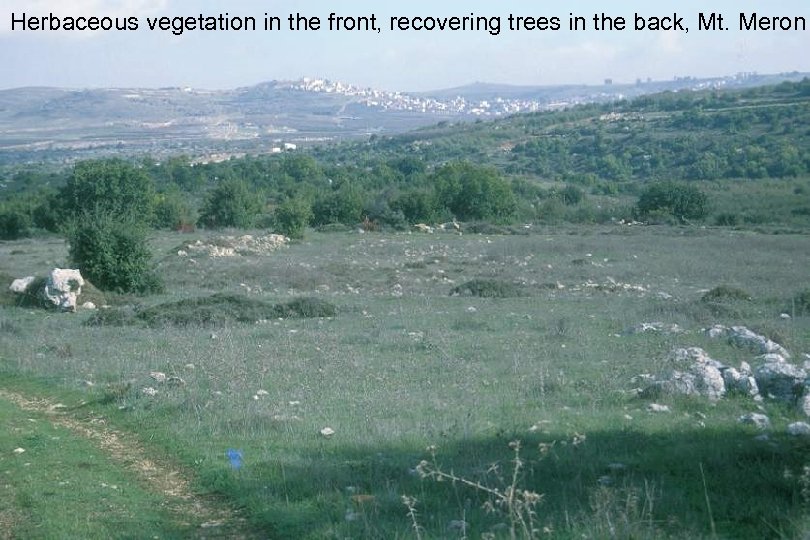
(89, 306)
(697, 374)
(63, 287)
(742, 381)
(745, 338)
(759, 421)
(21, 285)
(327, 432)
(175, 382)
(780, 379)
(654, 327)
(182, 253)
(149, 391)
(785, 317)
(656, 408)
(19, 451)
(158, 376)
(799, 429)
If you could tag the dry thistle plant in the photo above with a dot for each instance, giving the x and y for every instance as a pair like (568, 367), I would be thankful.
(410, 503)
(518, 504)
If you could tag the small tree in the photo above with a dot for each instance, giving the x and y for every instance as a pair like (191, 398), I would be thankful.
(14, 223)
(471, 192)
(230, 204)
(292, 217)
(111, 186)
(113, 254)
(682, 201)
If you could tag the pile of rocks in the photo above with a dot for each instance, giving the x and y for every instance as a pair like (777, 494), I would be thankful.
(692, 372)
(234, 246)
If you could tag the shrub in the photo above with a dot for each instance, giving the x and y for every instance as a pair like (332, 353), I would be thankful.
(292, 217)
(230, 204)
(343, 205)
(112, 187)
(801, 303)
(472, 192)
(305, 307)
(488, 288)
(683, 201)
(113, 254)
(725, 293)
(572, 195)
(14, 224)
(727, 219)
(172, 212)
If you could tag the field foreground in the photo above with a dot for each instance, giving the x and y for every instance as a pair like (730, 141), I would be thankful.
(417, 385)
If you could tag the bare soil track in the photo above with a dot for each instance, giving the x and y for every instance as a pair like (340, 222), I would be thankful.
(213, 518)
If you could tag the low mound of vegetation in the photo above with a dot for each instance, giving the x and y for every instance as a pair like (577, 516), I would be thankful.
(488, 288)
(726, 293)
(215, 310)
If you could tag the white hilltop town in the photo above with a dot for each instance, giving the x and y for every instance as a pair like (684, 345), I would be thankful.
(500, 106)
(399, 101)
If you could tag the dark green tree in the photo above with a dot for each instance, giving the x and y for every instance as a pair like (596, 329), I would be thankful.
(230, 204)
(473, 192)
(112, 253)
(112, 187)
(292, 217)
(683, 201)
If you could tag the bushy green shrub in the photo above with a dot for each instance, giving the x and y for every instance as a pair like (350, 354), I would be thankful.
(113, 254)
(305, 308)
(230, 204)
(488, 288)
(472, 192)
(726, 293)
(14, 224)
(342, 205)
(727, 219)
(292, 217)
(682, 201)
(173, 212)
(111, 187)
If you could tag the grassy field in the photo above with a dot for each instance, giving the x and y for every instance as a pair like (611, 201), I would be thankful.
(404, 366)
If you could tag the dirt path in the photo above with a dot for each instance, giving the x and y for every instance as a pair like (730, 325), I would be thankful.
(216, 519)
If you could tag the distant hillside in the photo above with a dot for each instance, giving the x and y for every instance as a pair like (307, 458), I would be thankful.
(754, 133)
(62, 125)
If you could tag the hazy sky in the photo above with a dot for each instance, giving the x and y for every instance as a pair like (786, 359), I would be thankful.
(391, 60)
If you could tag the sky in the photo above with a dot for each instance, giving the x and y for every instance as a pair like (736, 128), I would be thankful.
(392, 60)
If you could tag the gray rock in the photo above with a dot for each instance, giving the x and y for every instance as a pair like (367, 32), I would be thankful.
(741, 382)
(654, 328)
(760, 421)
(799, 429)
(781, 380)
(656, 408)
(743, 337)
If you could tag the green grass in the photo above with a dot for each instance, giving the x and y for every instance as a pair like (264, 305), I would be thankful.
(405, 366)
(62, 486)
